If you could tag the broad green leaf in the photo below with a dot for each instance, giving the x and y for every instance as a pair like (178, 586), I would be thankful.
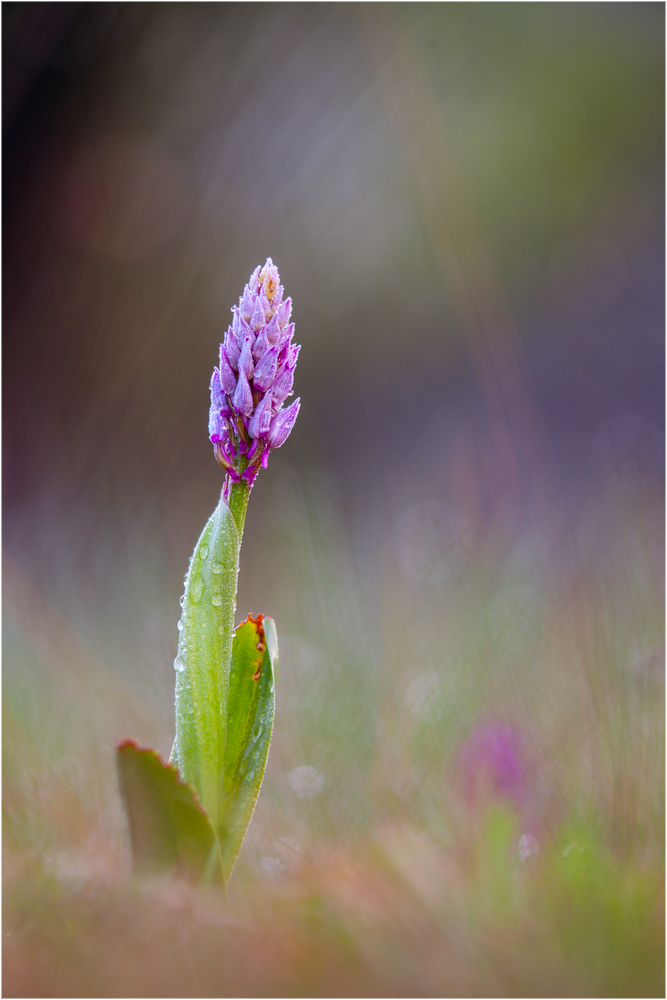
(224, 712)
(203, 660)
(253, 674)
(168, 828)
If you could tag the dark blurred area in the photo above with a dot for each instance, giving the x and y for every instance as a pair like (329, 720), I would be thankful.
(462, 540)
(465, 201)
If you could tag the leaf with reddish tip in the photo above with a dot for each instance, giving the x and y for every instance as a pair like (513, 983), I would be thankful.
(169, 830)
(250, 716)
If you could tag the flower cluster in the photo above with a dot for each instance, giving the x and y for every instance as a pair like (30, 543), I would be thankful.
(255, 376)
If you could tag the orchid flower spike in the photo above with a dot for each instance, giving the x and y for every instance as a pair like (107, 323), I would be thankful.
(254, 379)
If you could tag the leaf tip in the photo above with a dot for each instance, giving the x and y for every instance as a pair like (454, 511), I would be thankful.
(258, 623)
(260, 646)
(130, 744)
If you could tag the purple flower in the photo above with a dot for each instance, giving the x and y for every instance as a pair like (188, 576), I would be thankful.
(493, 764)
(254, 378)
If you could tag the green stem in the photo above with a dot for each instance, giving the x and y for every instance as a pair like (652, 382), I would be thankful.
(239, 494)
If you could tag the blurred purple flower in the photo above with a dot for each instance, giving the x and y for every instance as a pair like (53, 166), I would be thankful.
(254, 378)
(492, 764)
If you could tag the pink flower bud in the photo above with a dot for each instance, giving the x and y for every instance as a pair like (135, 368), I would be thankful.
(226, 373)
(242, 401)
(265, 370)
(245, 359)
(258, 318)
(284, 312)
(261, 418)
(282, 424)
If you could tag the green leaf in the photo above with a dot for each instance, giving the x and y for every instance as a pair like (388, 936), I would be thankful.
(224, 712)
(249, 727)
(203, 661)
(168, 828)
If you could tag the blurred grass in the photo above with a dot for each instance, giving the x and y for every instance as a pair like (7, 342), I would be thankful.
(403, 874)
(461, 543)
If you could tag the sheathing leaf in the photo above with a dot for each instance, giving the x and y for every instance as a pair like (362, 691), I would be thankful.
(193, 814)
(249, 728)
(203, 660)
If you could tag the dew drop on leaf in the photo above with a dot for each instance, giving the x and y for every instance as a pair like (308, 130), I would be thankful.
(179, 666)
(217, 567)
(217, 600)
(196, 589)
(203, 552)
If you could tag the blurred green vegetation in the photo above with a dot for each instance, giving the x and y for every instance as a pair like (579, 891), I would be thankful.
(389, 869)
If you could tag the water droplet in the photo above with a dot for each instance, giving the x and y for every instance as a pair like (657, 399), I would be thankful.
(217, 567)
(203, 552)
(179, 625)
(196, 589)
(217, 600)
(182, 600)
(179, 666)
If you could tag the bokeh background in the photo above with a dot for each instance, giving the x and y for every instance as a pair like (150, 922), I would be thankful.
(461, 542)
